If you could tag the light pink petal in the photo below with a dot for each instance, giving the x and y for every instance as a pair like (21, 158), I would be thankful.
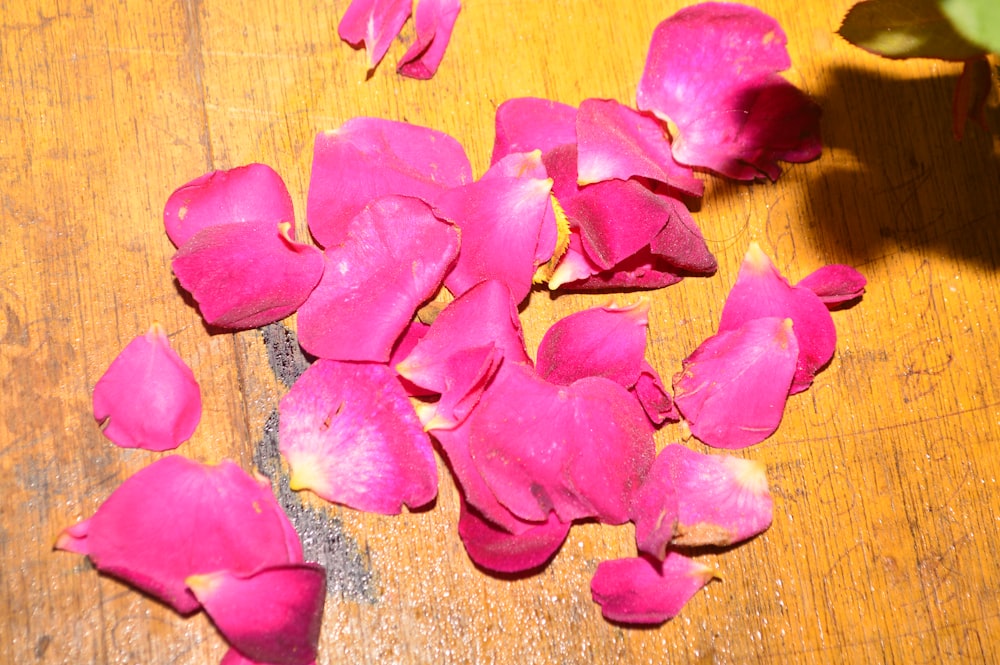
(616, 142)
(835, 284)
(374, 24)
(654, 398)
(712, 72)
(415, 331)
(501, 220)
(247, 275)
(148, 397)
(524, 124)
(434, 20)
(349, 433)
(251, 193)
(600, 341)
(272, 615)
(501, 551)
(761, 291)
(639, 591)
(368, 158)
(177, 518)
(393, 259)
(733, 388)
(574, 266)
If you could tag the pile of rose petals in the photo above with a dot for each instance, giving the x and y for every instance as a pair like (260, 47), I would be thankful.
(576, 198)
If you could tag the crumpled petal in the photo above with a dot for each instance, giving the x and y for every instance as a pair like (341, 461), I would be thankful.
(498, 550)
(712, 72)
(368, 158)
(835, 284)
(272, 615)
(654, 398)
(434, 21)
(374, 24)
(733, 388)
(177, 518)
(148, 397)
(248, 274)
(251, 193)
(394, 257)
(640, 591)
(524, 124)
(351, 436)
(616, 142)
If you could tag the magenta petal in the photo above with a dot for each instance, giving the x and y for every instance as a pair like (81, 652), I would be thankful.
(639, 591)
(350, 434)
(272, 615)
(616, 142)
(681, 245)
(374, 24)
(252, 193)
(148, 397)
(503, 552)
(524, 124)
(177, 518)
(642, 270)
(368, 158)
(247, 275)
(434, 20)
(393, 259)
(835, 284)
(733, 388)
(712, 71)
(601, 341)
(653, 396)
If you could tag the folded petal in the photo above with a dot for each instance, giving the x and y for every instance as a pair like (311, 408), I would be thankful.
(394, 257)
(350, 434)
(272, 615)
(639, 591)
(654, 398)
(374, 24)
(434, 20)
(368, 158)
(524, 124)
(251, 193)
(501, 551)
(148, 397)
(642, 270)
(177, 518)
(681, 245)
(248, 274)
(733, 388)
(712, 72)
(835, 284)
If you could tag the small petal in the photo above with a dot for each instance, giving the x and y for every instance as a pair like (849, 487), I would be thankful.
(148, 397)
(835, 284)
(639, 591)
(350, 434)
(272, 615)
(654, 398)
(498, 550)
(374, 24)
(434, 20)
(524, 124)
(681, 245)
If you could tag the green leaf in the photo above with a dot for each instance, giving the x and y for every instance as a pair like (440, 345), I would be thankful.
(978, 20)
(906, 29)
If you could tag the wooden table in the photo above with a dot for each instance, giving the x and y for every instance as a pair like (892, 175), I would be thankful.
(885, 542)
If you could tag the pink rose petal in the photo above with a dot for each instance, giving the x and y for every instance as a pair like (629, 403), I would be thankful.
(524, 124)
(393, 259)
(374, 24)
(681, 245)
(247, 275)
(350, 434)
(272, 615)
(434, 20)
(835, 284)
(251, 193)
(654, 398)
(639, 591)
(642, 270)
(177, 518)
(712, 71)
(368, 158)
(148, 397)
(733, 388)
(503, 552)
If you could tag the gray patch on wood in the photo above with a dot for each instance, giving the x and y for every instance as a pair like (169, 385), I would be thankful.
(284, 354)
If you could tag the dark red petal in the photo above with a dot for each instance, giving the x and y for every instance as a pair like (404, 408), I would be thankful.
(638, 591)
(393, 259)
(350, 434)
(501, 551)
(148, 397)
(251, 193)
(434, 20)
(524, 124)
(178, 518)
(835, 284)
(642, 270)
(681, 245)
(374, 24)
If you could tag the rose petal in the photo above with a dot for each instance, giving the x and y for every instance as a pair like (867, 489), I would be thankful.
(835, 284)
(733, 388)
(680, 244)
(368, 158)
(642, 270)
(639, 591)
(654, 398)
(148, 397)
(503, 552)
(272, 615)
(177, 518)
(434, 20)
(350, 434)
(393, 259)
(524, 124)
(374, 24)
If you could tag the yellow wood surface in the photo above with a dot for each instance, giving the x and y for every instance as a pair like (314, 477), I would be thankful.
(884, 546)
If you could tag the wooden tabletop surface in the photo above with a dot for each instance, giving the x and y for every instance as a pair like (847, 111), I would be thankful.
(885, 544)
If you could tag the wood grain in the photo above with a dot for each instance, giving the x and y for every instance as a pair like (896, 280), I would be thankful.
(885, 541)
